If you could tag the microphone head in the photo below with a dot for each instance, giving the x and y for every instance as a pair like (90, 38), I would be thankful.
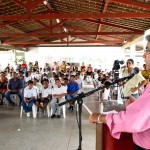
(135, 70)
(121, 62)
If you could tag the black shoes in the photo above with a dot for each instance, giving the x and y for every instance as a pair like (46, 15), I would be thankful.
(57, 116)
(53, 116)
(71, 108)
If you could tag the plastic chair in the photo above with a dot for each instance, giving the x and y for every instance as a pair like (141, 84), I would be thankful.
(15, 98)
(63, 109)
(47, 109)
(34, 111)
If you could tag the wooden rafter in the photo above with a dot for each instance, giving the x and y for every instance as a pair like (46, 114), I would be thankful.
(105, 4)
(65, 34)
(75, 16)
(74, 42)
(112, 25)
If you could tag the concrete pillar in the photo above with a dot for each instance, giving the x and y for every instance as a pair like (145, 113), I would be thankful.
(13, 56)
(132, 51)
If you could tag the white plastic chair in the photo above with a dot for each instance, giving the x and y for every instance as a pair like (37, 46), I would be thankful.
(15, 98)
(47, 109)
(89, 79)
(34, 111)
(63, 109)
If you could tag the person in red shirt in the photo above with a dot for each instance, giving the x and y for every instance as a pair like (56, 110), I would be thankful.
(24, 66)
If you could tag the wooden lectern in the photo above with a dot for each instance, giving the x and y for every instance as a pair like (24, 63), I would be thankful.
(104, 140)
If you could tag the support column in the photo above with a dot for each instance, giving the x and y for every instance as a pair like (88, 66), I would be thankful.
(13, 56)
(132, 51)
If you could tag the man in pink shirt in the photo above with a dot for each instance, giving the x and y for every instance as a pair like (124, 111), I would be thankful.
(136, 118)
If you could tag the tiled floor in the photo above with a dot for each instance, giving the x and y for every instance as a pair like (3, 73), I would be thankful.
(44, 133)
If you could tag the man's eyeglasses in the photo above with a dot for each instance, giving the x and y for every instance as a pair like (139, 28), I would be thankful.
(147, 50)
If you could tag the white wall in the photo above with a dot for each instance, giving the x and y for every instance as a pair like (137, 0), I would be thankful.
(5, 58)
(32, 55)
(99, 57)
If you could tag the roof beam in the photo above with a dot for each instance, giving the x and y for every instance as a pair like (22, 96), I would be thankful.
(104, 10)
(66, 34)
(59, 24)
(92, 39)
(75, 42)
(113, 25)
(51, 27)
(75, 16)
(133, 3)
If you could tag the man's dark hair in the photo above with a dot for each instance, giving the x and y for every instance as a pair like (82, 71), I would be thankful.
(20, 71)
(46, 80)
(65, 79)
(56, 76)
(57, 79)
(30, 82)
(131, 60)
(72, 76)
(148, 38)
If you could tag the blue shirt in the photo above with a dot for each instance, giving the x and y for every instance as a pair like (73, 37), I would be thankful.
(15, 85)
(72, 87)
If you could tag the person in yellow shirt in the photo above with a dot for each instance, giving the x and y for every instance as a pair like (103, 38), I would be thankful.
(63, 66)
(145, 73)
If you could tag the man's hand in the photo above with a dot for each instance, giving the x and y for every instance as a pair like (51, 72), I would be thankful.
(94, 118)
(14, 91)
(26, 100)
(70, 94)
(130, 100)
(9, 90)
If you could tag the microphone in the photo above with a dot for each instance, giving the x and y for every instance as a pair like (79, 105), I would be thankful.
(133, 72)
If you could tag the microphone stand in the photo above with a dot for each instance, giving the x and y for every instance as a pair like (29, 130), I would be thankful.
(79, 100)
